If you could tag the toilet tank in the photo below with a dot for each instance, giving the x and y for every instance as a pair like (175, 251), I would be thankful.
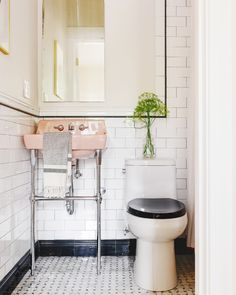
(154, 178)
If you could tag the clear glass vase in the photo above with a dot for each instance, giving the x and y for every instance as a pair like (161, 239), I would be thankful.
(149, 149)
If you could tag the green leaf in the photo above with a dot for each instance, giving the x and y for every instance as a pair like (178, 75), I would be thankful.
(149, 105)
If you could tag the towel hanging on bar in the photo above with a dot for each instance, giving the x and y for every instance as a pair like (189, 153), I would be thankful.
(57, 158)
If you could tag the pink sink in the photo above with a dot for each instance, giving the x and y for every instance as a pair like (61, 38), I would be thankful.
(87, 135)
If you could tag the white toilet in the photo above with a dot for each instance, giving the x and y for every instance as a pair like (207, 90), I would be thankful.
(156, 218)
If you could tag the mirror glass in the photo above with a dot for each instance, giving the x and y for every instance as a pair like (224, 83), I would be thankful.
(73, 50)
(102, 54)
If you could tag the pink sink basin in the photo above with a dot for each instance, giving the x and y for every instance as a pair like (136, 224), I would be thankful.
(87, 135)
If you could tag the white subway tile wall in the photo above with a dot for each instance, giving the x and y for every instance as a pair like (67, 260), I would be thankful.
(14, 188)
(170, 137)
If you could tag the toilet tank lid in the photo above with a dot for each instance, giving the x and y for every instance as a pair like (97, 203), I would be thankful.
(150, 162)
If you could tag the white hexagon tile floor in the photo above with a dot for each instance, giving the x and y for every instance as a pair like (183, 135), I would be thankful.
(77, 276)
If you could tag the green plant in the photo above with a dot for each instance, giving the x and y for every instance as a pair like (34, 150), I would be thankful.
(149, 107)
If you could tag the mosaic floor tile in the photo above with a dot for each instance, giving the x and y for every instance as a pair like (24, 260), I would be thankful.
(77, 276)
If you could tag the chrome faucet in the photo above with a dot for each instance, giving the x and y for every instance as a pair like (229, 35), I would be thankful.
(71, 127)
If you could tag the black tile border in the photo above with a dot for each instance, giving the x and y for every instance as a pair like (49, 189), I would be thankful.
(12, 279)
(125, 247)
(85, 248)
(181, 247)
(68, 116)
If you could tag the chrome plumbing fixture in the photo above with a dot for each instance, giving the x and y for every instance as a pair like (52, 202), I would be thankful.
(70, 205)
(103, 190)
(97, 197)
(59, 127)
(71, 126)
(77, 171)
(82, 127)
(126, 230)
(85, 145)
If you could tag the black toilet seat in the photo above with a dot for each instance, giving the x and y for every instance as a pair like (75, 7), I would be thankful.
(161, 208)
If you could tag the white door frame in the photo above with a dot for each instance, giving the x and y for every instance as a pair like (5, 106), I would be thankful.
(215, 129)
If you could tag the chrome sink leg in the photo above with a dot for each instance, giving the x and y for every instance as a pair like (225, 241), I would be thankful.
(99, 200)
(32, 200)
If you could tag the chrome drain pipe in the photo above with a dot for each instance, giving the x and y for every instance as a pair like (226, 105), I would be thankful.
(70, 205)
(77, 171)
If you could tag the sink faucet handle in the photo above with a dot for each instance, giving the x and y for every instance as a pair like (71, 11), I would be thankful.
(60, 127)
(82, 127)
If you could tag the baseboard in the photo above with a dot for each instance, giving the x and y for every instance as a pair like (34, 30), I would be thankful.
(11, 280)
(181, 247)
(86, 247)
(76, 248)
(89, 247)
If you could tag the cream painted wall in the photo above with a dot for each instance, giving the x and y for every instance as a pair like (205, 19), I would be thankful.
(21, 64)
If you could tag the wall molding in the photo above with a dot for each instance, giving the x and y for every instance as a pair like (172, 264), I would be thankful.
(19, 110)
(18, 104)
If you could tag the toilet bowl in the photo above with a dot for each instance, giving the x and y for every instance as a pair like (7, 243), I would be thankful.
(156, 218)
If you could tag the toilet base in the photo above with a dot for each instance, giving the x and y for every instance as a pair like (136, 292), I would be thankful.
(155, 267)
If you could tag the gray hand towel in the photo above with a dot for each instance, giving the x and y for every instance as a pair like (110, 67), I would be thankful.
(57, 157)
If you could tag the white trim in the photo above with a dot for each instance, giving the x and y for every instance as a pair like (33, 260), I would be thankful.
(214, 159)
(201, 270)
(234, 132)
(21, 104)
